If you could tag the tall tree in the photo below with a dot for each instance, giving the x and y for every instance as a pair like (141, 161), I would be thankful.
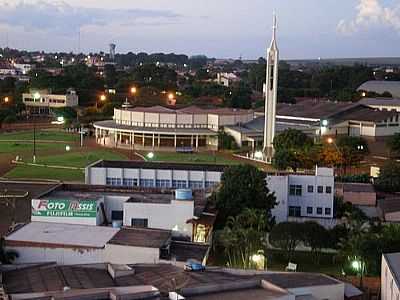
(389, 177)
(242, 187)
(242, 237)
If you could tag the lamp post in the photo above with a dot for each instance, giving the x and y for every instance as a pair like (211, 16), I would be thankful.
(36, 96)
(102, 98)
(133, 92)
(331, 141)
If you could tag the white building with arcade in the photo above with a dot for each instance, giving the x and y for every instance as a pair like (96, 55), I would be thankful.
(161, 128)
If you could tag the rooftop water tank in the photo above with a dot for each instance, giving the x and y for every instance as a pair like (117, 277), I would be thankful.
(183, 194)
(116, 224)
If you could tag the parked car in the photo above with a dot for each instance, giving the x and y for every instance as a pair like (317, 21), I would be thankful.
(193, 265)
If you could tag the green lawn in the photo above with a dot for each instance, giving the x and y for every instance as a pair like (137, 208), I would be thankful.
(190, 158)
(68, 159)
(33, 172)
(18, 148)
(42, 135)
(79, 159)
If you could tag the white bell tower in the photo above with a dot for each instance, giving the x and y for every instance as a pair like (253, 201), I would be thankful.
(271, 95)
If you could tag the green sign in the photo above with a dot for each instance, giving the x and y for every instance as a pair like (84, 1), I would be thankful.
(64, 208)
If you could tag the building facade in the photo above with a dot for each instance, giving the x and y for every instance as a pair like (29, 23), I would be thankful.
(42, 102)
(390, 279)
(153, 175)
(298, 195)
(303, 196)
(161, 128)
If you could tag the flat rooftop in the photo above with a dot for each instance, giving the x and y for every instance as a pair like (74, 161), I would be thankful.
(137, 237)
(57, 234)
(151, 198)
(22, 213)
(217, 283)
(256, 293)
(158, 165)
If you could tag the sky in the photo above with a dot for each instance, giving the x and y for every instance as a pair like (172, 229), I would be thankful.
(307, 29)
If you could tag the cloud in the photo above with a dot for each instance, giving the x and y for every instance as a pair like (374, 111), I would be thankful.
(60, 17)
(371, 13)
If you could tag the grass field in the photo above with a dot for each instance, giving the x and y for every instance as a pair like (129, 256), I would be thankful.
(41, 135)
(190, 158)
(70, 159)
(19, 148)
(80, 159)
(33, 172)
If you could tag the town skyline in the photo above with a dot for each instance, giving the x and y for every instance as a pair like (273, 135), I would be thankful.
(356, 28)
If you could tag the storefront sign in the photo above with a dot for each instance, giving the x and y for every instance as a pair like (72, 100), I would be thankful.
(64, 208)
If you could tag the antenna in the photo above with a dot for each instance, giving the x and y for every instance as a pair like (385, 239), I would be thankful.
(79, 40)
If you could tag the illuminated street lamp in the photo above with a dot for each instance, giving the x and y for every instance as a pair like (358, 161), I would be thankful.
(133, 90)
(6, 99)
(103, 98)
(150, 155)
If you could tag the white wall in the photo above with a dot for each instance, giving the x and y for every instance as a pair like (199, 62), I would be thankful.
(63, 256)
(113, 203)
(118, 254)
(390, 289)
(279, 185)
(162, 216)
(331, 292)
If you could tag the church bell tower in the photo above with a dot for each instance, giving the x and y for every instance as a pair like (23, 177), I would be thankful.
(271, 95)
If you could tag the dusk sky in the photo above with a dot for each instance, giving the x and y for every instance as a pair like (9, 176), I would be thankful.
(217, 28)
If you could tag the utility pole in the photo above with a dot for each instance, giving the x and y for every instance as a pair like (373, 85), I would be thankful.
(34, 139)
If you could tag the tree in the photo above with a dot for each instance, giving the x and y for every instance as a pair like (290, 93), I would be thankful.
(316, 237)
(284, 159)
(242, 187)
(394, 144)
(292, 139)
(292, 149)
(243, 236)
(240, 96)
(6, 257)
(352, 149)
(389, 177)
(287, 236)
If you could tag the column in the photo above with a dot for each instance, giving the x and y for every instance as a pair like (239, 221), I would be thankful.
(175, 140)
(153, 140)
(197, 141)
(115, 138)
(159, 140)
(133, 138)
(143, 139)
(191, 141)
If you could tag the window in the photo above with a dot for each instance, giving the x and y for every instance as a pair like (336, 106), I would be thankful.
(113, 181)
(328, 189)
(310, 189)
(320, 189)
(139, 223)
(309, 210)
(319, 210)
(163, 183)
(146, 182)
(211, 184)
(295, 190)
(117, 215)
(294, 211)
(130, 182)
(179, 184)
(328, 211)
(196, 184)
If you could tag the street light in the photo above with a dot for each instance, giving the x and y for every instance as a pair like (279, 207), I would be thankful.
(150, 155)
(6, 99)
(133, 90)
(171, 96)
(102, 98)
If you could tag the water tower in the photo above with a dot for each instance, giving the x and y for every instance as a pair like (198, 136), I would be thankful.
(112, 51)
